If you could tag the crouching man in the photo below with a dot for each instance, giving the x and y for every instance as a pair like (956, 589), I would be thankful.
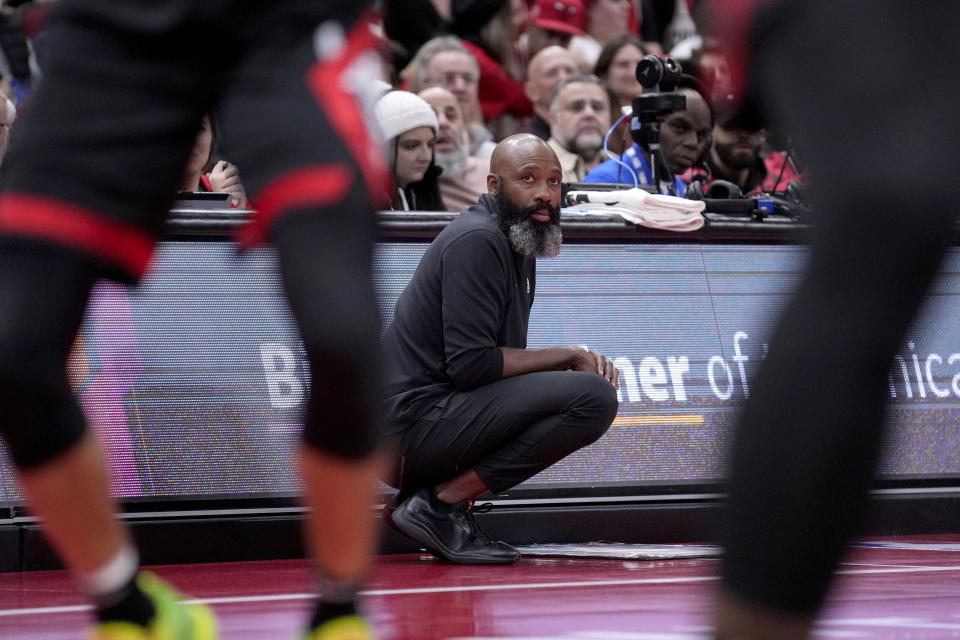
(470, 408)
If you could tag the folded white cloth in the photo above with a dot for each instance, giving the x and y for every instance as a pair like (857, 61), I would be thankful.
(642, 208)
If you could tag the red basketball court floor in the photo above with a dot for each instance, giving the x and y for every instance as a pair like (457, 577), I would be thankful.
(881, 593)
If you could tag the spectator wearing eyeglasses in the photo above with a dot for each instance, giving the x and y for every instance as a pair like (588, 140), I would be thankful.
(579, 118)
(444, 62)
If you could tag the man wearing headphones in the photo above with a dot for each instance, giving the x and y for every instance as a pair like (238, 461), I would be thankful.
(684, 138)
(737, 156)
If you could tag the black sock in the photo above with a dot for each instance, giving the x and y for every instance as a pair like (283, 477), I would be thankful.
(335, 598)
(126, 604)
(437, 501)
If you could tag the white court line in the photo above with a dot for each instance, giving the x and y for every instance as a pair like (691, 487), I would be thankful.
(597, 635)
(849, 572)
(462, 589)
(391, 592)
(902, 622)
(877, 564)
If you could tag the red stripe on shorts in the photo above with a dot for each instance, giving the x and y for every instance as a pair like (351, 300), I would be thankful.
(74, 226)
(313, 186)
(344, 113)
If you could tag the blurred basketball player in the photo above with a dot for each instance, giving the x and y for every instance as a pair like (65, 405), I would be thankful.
(808, 439)
(93, 167)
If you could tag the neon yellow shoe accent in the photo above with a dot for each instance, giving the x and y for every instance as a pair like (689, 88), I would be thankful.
(343, 628)
(174, 620)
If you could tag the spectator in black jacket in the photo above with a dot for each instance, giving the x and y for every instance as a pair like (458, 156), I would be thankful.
(469, 407)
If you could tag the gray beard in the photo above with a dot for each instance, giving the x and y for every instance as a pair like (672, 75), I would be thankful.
(452, 162)
(590, 150)
(533, 241)
(528, 237)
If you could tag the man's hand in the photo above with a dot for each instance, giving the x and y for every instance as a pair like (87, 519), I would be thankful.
(224, 177)
(519, 361)
(596, 362)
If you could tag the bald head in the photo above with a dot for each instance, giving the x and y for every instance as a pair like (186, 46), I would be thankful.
(517, 150)
(547, 69)
(451, 136)
(685, 134)
(437, 94)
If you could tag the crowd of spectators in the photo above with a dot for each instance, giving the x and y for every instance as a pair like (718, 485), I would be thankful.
(487, 69)
(547, 67)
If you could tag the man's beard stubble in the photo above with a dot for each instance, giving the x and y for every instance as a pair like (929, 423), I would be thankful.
(734, 160)
(529, 237)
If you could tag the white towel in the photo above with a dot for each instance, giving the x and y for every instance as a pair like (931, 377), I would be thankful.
(642, 208)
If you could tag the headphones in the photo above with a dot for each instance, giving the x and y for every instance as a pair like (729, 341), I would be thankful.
(796, 191)
(695, 188)
(723, 195)
(718, 190)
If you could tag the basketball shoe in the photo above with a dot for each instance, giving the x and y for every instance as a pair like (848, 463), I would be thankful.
(343, 628)
(174, 620)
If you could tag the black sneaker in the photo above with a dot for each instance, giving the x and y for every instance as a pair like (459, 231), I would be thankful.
(449, 531)
(481, 535)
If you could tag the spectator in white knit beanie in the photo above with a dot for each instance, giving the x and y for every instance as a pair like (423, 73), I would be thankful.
(409, 127)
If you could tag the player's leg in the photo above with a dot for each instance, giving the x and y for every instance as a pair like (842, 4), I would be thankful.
(325, 256)
(60, 467)
(808, 439)
(326, 273)
(305, 153)
(92, 167)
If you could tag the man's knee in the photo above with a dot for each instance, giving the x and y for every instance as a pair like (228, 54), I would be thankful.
(325, 261)
(343, 414)
(43, 306)
(39, 417)
(595, 402)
